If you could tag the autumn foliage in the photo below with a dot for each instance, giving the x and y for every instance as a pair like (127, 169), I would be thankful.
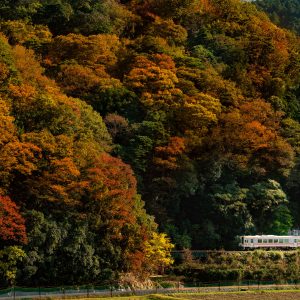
(12, 224)
(129, 126)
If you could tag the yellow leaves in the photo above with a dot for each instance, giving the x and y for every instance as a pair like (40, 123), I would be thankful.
(78, 80)
(4, 72)
(7, 128)
(200, 111)
(77, 77)
(58, 147)
(208, 81)
(84, 63)
(167, 29)
(9, 259)
(26, 63)
(155, 80)
(20, 32)
(94, 49)
(158, 252)
(29, 68)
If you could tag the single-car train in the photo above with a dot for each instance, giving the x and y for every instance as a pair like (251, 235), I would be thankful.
(269, 241)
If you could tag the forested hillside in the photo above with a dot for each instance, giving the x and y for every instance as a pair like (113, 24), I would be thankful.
(285, 13)
(191, 106)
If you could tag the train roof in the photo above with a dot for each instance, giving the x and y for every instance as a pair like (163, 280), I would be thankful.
(270, 236)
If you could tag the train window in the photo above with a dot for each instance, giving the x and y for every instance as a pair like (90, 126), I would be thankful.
(270, 241)
(246, 241)
(281, 241)
(251, 241)
(265, 241)
(275, 241)
(286, 241)
(295, 241)
(259, 241)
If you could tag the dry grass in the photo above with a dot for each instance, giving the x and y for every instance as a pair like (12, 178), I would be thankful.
(247, 295)
(278, 295)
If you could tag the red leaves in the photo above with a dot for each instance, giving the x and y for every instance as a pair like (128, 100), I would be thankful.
(12, 224)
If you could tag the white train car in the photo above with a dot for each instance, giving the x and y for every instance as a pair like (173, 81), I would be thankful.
(269, 241)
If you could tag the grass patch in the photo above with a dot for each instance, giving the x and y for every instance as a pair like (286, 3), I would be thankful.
(245, 295)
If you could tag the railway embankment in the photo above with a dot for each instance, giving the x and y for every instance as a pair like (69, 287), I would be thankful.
(257, 265)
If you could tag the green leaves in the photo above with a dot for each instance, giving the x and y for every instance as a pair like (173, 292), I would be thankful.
(282, 221)
(283, 13)
(265, 200)
(10, 257)
(264, 195)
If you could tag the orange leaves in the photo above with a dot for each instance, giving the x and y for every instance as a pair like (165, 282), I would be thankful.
(262, 112)
(255, 49)
(258, 135)
(77, 78)
(176, 146)
(164, 61)
(21, 157)
(12, 225)
(15, 156)
(64, 168)
(115, 175)
(166, 157)
(250, 138)
(22, 92)
(57, 176)
(111, 189)
(59, 181)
